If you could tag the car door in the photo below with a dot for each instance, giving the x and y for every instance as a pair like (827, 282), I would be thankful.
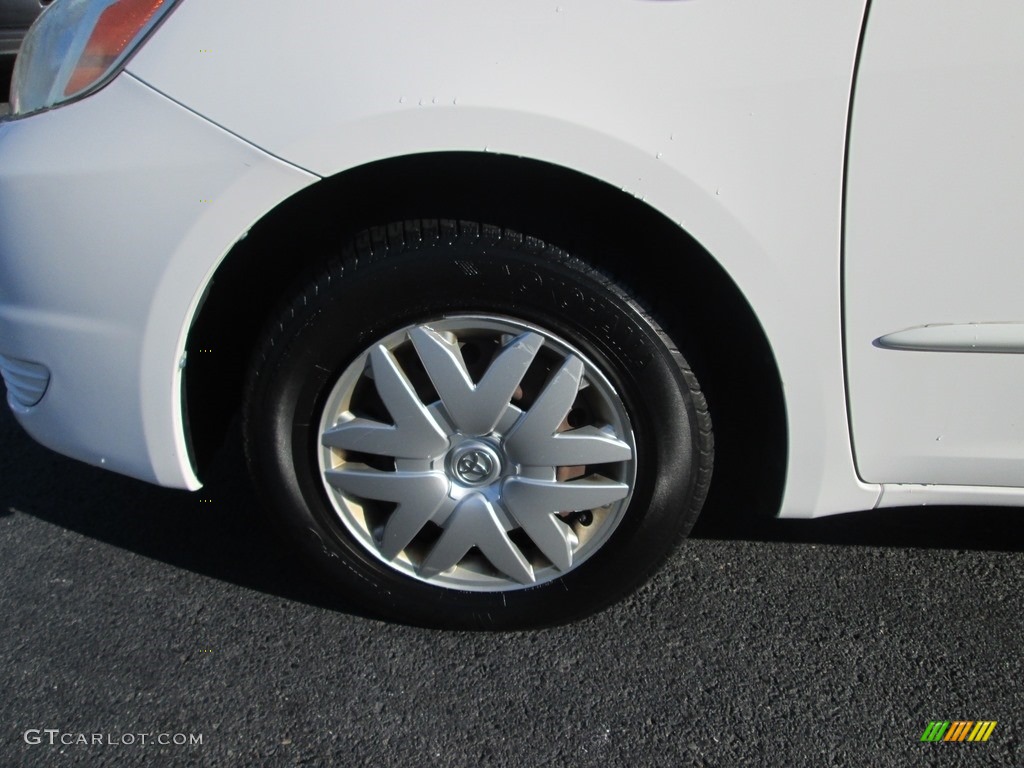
(933, 274)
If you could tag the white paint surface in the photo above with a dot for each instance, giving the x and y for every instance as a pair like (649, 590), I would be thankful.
(105, 243)
(934, 233)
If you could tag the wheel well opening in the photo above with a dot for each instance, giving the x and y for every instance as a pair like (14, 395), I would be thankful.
(670, 273)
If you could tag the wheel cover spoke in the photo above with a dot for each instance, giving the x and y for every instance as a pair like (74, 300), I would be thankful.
(418, 495)
(414, 434)
(535, 504)
(471, 491)
(474, 523)
(535, 440)
(474, 408)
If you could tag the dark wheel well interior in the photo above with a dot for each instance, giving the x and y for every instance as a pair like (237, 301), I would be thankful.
(668, 271)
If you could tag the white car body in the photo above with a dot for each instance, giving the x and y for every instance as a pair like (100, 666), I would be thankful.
(855, 173)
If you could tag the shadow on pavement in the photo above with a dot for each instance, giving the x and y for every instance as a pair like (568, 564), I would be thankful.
(218, 532)
(994, 529)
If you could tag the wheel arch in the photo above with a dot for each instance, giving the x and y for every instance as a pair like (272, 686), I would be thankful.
(655, 258)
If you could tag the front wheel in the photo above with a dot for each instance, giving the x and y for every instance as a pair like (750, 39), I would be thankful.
(464, 427)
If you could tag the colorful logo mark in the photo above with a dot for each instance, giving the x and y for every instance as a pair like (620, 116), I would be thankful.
(958, 730)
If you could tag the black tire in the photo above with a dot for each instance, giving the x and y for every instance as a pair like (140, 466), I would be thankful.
(418, 272)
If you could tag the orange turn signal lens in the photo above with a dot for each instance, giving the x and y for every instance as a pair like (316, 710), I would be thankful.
(115, 29)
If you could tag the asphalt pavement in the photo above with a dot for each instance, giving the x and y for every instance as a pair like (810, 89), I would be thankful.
(168, 628)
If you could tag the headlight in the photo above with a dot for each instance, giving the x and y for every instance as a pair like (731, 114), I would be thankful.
(76, 46)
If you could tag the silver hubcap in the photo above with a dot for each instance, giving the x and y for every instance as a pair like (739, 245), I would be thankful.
(477, 453)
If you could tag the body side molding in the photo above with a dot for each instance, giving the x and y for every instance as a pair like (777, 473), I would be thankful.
(1005, 338)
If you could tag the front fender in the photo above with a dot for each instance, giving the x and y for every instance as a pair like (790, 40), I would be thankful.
(729, 119)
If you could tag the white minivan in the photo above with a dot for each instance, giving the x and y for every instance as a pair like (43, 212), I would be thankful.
(487, 282)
